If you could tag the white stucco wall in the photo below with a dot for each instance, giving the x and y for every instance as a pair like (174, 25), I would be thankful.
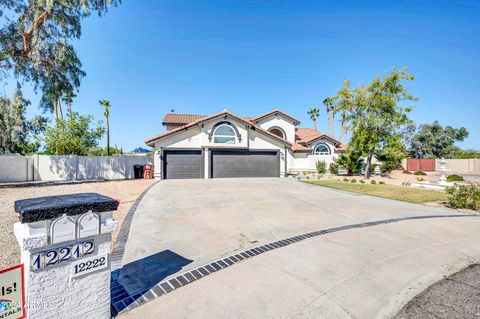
(279, 121)
(13, 168)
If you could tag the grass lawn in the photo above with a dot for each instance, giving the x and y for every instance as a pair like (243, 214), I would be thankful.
(406, 194)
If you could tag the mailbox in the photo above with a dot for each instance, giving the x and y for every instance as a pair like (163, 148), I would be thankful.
(65, 246)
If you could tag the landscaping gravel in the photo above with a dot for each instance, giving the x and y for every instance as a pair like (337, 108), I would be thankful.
(457, 296)
(126, 191)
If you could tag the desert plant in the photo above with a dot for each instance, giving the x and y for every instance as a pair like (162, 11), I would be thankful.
(381, 183)
(455, 178)
(321, 167)
(373, 182)
(346, 180)
(362, 181)
(333, 168)
(406, 183)
(353, 181)
(407, 172)
(464, 196)
(351, 161)
(422, 173)
(420, 179)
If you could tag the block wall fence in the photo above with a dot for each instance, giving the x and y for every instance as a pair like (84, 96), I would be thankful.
(16, 168)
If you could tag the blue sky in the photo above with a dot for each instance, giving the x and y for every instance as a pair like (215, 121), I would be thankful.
(148, 57)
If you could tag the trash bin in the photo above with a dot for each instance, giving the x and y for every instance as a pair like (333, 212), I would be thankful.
(138, 171)
(147, 171)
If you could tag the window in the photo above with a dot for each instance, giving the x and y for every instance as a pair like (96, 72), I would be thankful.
(321, 149)
(278, 132)
(224, 134)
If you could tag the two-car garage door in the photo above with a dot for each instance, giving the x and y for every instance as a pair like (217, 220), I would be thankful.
(223, 163)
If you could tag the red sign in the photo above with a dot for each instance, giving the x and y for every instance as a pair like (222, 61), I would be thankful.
(12, 293)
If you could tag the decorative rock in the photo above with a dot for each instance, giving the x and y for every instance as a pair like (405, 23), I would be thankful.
(50, 207)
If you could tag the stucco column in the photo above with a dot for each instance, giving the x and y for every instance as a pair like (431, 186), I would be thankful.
(206, 163)
(65, 246)
(157, 164)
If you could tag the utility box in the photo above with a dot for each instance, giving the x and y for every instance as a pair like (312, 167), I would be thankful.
(65, 246)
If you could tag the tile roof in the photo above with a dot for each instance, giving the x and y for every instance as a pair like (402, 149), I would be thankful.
(302, 135)
(177, 118)
(205, 118)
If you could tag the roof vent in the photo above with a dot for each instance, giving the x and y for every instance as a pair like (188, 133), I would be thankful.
(225, 110)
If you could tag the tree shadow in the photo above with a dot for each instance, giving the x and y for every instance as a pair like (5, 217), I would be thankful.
(134, 279)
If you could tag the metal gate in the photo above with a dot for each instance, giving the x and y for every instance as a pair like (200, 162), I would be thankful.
(421, 164)
(182, 164)
(244, 163)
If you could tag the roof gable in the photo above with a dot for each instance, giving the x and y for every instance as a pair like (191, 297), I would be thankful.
(275, 113)
(221, 115)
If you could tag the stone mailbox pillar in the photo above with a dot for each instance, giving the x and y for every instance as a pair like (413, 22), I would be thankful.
(65, 246)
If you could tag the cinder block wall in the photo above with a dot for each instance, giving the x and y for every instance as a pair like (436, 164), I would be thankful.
(15, 168)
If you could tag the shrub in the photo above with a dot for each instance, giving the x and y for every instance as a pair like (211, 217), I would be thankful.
(333, 168)
(353, 181)
(381, 183)
(351, 161)
(346, 180)
(321, 167)
(464, 196)
(373, 182)
(406, 183)
(455, 178)
(373, 167)
(420, 179)
(362, 181)
(407, 172)
(422, 173)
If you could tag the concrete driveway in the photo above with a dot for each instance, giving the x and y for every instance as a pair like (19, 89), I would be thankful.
(365, 272)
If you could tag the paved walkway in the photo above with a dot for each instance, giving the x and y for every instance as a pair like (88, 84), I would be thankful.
(363, 273)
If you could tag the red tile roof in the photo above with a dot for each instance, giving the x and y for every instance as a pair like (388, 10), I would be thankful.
(205, 118)
(177, 118)
(302, 135)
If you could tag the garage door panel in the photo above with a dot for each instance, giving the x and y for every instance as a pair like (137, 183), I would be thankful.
(245, 164)
(183, 164)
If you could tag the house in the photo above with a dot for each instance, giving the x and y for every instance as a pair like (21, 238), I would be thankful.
(227, 145)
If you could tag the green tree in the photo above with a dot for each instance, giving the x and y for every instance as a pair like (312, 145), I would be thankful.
(467, 153)
(35, 40)
(435, 141)
(106, 105)
(77, 136)
(375, 114)
(17, 135)
(351, 161)
(314, 113)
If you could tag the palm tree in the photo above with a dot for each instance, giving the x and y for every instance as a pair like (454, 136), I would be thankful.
(106, 105)
(68, 98)
(314, 113)
(350, 161)
(328, 102)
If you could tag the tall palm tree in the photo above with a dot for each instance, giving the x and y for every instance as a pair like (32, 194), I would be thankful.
(314, 113)
(68, 98)
(106, 105)
(328, 102)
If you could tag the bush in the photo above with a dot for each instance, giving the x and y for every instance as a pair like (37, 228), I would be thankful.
(422, 173)
(373, 167)
(455, 178)
(373, 182)
(346, 180)
(333, 168)
(464, 196)
(407, 172)
(321, 167)
(353, 181)
(420, 179)
(352, 162)
(381, 183)
(362, 181)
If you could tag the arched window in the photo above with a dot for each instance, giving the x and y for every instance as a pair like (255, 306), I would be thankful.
(321, 149)
(224, 134)
(277, 131)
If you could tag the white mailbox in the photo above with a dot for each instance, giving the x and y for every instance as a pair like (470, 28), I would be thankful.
(88, 225)
(62, 229)
(65, 246)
